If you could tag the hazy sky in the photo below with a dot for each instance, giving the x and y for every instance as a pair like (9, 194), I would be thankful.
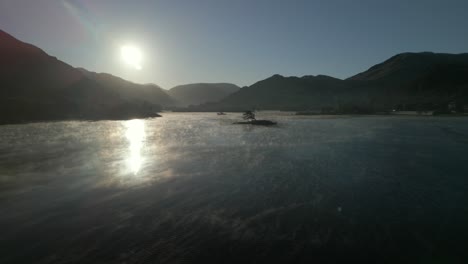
(238, 41)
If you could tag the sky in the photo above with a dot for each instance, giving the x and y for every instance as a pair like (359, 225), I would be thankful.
(236, 41)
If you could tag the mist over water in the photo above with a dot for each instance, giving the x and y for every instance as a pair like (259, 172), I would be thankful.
(194, 187)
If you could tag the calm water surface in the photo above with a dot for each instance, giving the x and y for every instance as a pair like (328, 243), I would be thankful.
(195, 188)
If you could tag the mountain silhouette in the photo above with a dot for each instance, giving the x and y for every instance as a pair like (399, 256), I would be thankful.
(151, 93)
(199, 93)
(406, 81)
(36, 86)
(428, 80)
(279, 92)
(407, 67)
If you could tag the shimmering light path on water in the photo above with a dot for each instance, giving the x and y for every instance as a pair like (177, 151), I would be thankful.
(194, 187)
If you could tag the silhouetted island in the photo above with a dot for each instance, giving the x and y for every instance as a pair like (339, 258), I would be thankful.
(251, 120)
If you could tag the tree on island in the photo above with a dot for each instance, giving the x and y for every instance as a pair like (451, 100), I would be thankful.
(248, 115)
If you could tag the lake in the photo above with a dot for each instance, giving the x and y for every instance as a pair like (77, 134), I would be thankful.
(192, 187)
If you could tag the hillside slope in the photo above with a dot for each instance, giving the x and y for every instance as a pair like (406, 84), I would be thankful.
(35, 86)
(405, 81)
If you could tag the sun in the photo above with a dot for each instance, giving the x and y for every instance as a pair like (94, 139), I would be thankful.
(132, 56)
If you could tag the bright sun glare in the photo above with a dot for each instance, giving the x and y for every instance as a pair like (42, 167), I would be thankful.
(132, 56)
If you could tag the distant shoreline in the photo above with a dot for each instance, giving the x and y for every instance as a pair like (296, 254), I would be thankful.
(73, 120)
(292, 113)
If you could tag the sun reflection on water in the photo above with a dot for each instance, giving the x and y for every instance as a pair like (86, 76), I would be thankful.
(135, 135)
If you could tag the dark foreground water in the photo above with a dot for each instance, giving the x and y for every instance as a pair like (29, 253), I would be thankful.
(190, 188)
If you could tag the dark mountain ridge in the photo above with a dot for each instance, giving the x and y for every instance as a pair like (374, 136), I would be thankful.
(151, 93)
(407, 81)
(409, 66)
(36, 86)
(277, 91)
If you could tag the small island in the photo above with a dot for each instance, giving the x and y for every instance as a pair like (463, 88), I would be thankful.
(249, 116)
